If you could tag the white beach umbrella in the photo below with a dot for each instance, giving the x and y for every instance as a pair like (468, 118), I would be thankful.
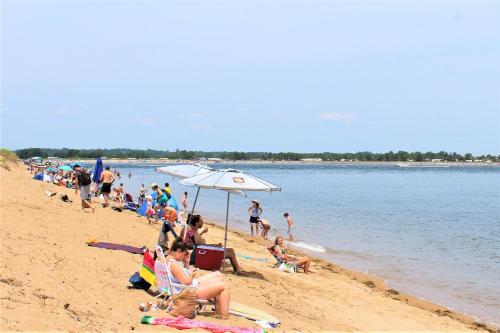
(190, 170)
(229, 180)
(185, 170)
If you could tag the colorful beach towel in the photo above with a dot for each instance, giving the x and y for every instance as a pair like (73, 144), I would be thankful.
(121, 247)
(182, 323)
(147, 271)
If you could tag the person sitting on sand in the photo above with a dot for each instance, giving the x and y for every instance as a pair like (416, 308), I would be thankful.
(211, 285)
(193, 238)
(264, 224)
(281, 251)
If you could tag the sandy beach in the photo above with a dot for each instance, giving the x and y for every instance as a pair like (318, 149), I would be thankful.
(51, 280)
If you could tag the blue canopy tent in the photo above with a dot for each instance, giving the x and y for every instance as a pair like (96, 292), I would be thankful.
(96, 175)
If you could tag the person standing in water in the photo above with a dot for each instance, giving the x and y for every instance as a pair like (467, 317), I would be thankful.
(142, 194)
(130, 174)
(185, 203)
(291, 226)
(254, 210)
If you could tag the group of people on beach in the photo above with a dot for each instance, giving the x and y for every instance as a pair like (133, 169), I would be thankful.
(255, 211)
(180, 254)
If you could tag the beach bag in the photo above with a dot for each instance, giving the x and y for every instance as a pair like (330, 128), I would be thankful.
(138, 282)
(84, 178)
(184, 304)
(284, 267)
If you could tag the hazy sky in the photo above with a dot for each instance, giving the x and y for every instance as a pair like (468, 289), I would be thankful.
(252, 76)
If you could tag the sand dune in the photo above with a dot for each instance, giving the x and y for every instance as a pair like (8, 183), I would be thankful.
(51, 280)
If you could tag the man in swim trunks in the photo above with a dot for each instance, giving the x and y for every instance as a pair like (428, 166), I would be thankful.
(107, 180)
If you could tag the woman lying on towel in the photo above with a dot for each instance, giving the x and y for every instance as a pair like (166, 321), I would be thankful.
(281, 251)
(211, 285)
(194, 237)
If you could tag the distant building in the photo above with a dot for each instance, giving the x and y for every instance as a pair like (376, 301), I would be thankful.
(215, 159)
(436, 160)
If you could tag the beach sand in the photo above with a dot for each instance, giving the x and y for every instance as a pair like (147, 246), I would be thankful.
(51, 280)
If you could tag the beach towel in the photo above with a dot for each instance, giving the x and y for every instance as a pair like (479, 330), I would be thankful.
(182, 323)
(121, 247)
(252, 258)
(147, 271)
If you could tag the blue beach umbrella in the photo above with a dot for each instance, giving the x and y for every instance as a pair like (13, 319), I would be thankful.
(96, 175)
(65, 168)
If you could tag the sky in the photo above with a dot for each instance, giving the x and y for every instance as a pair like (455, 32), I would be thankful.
(302, 76)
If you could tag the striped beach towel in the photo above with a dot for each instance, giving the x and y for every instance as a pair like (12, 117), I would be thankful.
(147, 271)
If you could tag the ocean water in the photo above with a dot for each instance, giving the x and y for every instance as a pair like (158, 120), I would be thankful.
(430, 232)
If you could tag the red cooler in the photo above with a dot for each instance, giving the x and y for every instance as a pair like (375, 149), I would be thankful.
(209, 257)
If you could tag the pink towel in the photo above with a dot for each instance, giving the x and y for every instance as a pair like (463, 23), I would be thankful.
(182, 323)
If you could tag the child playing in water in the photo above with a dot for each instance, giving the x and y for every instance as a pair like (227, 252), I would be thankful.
(291, 226)
(185, 203)
(264, 224)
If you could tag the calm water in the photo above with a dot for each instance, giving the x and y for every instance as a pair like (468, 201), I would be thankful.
(431, 232)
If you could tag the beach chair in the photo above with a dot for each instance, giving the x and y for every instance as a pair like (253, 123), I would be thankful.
(166, 287)
(280, 261)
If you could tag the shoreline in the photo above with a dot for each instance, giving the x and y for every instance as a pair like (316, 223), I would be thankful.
(375, 283)
(361, 282)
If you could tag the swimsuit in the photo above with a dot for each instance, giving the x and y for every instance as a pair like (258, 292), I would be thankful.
(106, 188)
(254, 217)
(172, 278)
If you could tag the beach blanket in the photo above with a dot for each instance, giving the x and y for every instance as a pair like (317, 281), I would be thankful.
(121, 247)
(147, 271)
(252, 258)
(182, 323)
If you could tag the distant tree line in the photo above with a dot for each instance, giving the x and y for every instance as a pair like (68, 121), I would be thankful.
(400, 156)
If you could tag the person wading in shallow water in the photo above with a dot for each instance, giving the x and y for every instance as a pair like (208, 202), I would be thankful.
(254, 212)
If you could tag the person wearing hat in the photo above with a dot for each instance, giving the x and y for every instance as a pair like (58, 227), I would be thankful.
(161, 199)
(82, 182)
(254, 210)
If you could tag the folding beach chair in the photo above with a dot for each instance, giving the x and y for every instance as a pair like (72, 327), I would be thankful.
(167, 288)
(280, 261)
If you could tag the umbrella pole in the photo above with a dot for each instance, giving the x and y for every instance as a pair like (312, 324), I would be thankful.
(225, 232)
(194, 205)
